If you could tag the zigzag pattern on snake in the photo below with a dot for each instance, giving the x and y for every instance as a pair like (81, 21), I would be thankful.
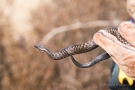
(82, 48)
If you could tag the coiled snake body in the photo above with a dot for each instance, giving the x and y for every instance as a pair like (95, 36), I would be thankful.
(82, 48)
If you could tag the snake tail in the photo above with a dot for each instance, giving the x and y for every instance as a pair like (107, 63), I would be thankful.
(98, 59)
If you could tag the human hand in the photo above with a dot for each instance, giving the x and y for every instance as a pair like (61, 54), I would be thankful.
(123, 55)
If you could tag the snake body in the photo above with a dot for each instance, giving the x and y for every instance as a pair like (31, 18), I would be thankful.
(70, 50)
(82, 48)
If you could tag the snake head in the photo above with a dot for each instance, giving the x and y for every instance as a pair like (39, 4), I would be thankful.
(39, 47)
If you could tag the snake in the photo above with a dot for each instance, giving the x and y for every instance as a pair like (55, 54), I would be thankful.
(83, 48)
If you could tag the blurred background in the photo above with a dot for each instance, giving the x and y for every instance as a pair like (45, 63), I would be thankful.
(24, 23)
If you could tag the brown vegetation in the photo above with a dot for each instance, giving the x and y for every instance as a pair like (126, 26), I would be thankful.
(23, 67)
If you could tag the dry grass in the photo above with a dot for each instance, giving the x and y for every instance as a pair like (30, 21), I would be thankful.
(23, 67)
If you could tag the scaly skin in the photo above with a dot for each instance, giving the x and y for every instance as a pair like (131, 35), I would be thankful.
(82, 48)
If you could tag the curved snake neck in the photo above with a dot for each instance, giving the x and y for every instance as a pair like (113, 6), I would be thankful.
(82, 48)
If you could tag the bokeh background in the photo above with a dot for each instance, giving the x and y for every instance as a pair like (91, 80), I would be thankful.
(24, 23)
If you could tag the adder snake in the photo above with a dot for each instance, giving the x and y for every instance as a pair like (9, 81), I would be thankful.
(82, 48)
